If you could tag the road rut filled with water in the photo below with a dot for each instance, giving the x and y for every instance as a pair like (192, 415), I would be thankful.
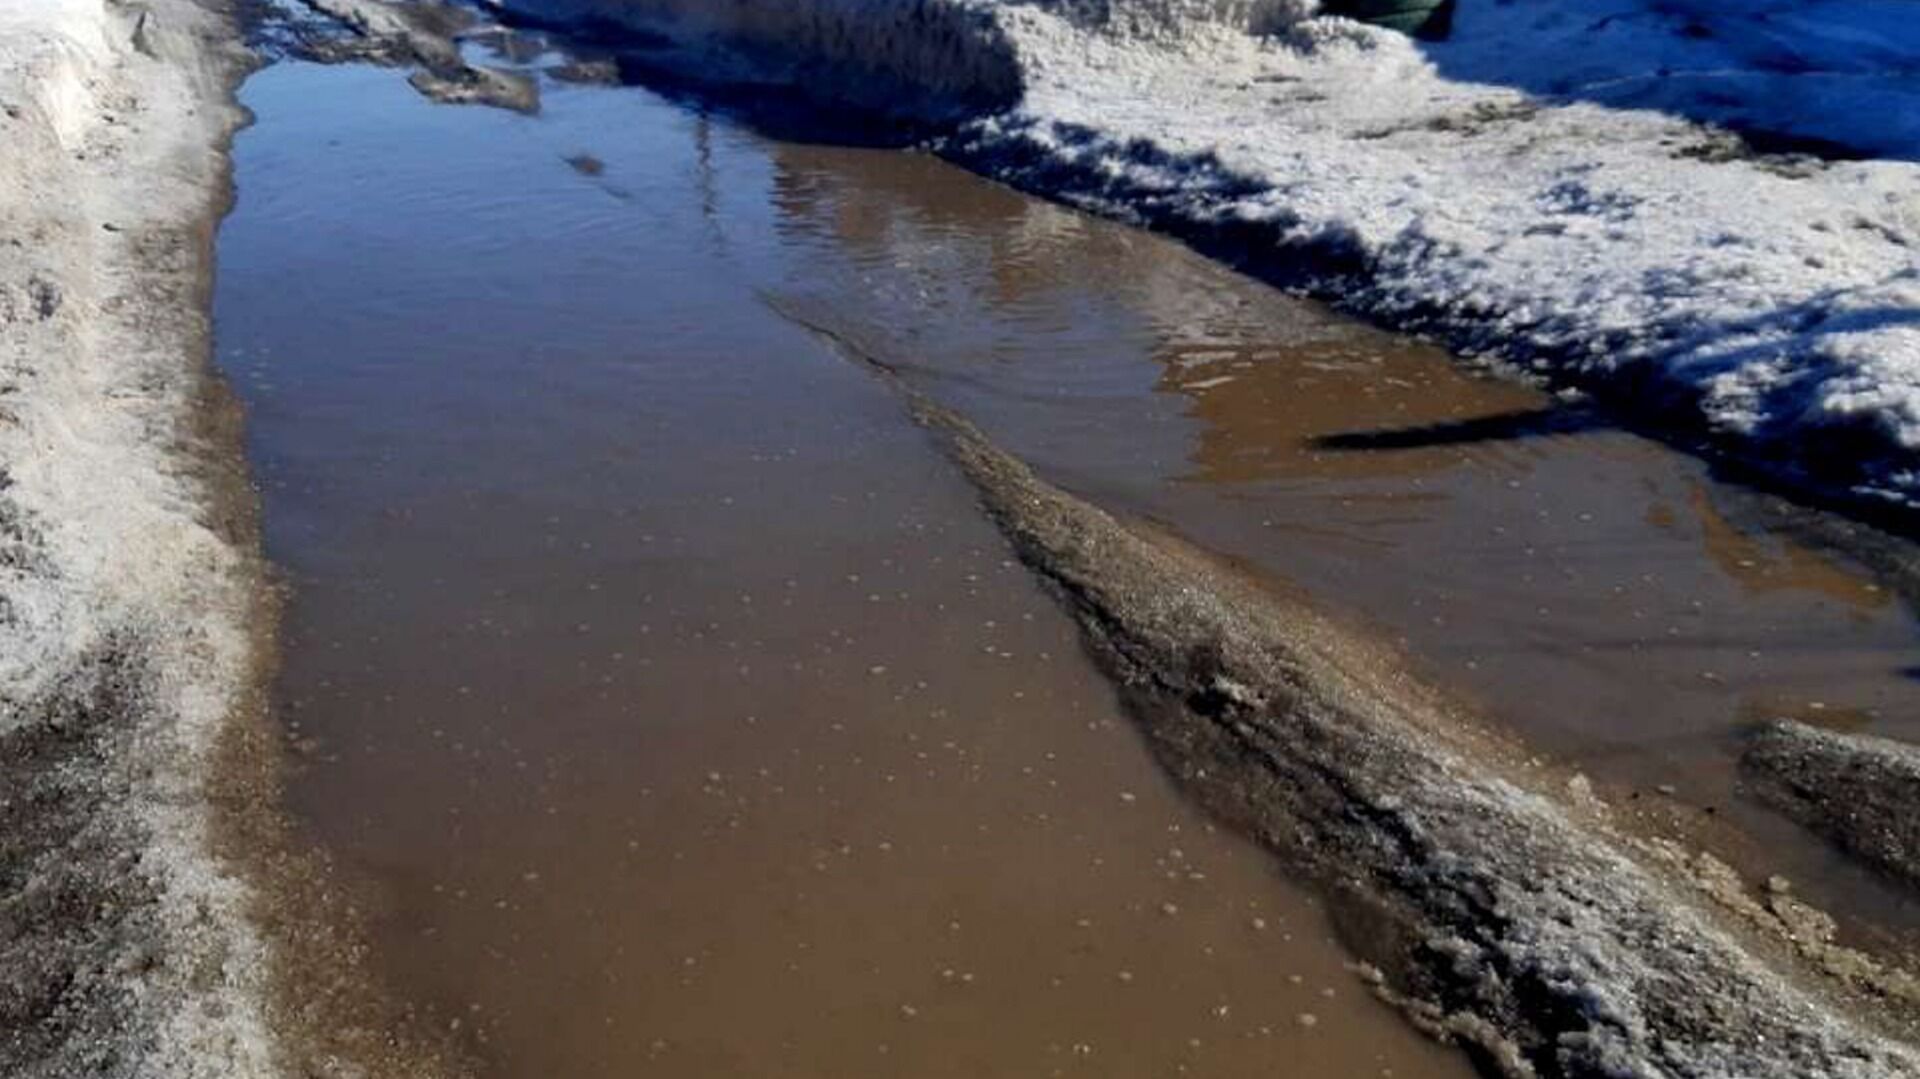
(678, 710)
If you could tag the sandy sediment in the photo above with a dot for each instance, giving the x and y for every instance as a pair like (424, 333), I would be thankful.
(1858, 791)
(1499, 901)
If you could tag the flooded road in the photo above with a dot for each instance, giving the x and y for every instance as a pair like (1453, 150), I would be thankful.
(1591, 589)
(684, 715)
(659, 676)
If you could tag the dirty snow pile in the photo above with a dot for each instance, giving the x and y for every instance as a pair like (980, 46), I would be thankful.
(1556, 186)
(124, 642)
(1705, 211)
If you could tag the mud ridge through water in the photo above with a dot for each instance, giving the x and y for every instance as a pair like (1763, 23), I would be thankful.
(1494, 915)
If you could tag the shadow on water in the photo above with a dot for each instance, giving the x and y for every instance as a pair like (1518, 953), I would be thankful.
(769, 95)
(1890, 556)
(1505, 427)
(1331, 265)
(1644, 396)
(778, 111)
(1599, 594)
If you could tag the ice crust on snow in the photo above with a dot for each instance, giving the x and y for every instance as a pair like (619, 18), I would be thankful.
(1574, 187)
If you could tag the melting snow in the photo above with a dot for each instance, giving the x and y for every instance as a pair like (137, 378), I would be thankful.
(1558, 185)
(1554, 186)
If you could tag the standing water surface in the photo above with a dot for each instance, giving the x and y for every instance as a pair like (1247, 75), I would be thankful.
(688, 718)
(661, 678)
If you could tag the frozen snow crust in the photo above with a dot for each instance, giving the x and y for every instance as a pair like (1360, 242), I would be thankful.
(1704, 212)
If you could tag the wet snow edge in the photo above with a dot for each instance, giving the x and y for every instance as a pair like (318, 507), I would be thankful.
(1769, 303)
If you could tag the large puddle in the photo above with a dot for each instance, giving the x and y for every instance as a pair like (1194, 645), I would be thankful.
(688, 719)
(661, 676)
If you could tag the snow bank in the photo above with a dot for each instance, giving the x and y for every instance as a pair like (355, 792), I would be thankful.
(124, 615)
(940, 54)
(1496, 190)
(50, 46)
(1559, 185)
(929, 57)
(1845, 71)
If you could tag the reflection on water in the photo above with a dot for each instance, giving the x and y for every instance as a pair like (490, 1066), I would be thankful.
(1265, 413)
(692, 722)
(668, 687)
(1576, 580)
(1764, 564)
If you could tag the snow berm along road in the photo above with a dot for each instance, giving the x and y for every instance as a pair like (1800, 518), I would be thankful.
(1704, 212)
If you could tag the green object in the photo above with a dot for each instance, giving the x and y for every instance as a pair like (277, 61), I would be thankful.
(1421, 18)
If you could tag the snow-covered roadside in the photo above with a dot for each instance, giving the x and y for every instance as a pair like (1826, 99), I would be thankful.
(126, 615)
(1558, 185)
(1492, 190)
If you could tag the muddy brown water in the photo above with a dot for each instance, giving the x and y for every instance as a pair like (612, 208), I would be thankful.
(1598, 593)
(664, 682)
(685, 717)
